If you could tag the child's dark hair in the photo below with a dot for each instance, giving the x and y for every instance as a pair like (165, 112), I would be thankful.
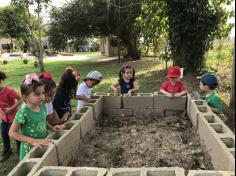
(212, 86)
(27, 89)
(68, 83)
(123, 71)
(47, 81)
(3, 76)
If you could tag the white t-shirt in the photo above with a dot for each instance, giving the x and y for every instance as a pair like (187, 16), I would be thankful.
(83, 90)
(49, 108)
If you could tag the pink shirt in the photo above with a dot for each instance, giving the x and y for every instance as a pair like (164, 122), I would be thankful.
(7, 99)
(173, 88)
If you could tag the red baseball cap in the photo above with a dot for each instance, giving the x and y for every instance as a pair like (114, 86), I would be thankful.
(173, 72)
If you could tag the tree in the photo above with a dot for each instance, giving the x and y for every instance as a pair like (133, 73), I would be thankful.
(232, 98)
(14, 23)
(192, 27)
(89, 18)
(35, 38)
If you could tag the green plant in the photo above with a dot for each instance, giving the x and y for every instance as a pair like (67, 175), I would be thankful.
(115, 152)
(25, 61)
(36, 64)
(4, 62)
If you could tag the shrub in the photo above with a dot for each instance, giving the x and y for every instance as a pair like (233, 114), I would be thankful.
(36, 64)
(25, 61)
(5, 62)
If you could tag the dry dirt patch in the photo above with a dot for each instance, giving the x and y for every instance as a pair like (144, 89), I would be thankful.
(143, 142)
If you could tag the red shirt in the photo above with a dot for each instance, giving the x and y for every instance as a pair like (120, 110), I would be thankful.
(7, 99)
(173, 88)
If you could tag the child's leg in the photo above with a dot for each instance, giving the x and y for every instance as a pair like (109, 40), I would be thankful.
(5, 127)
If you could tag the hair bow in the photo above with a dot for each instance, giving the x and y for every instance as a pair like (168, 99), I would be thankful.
(76, 75)
(30, 77)
(47, 75)
(69, 69)
(125, 65)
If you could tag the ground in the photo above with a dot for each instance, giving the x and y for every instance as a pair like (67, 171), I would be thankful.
(143, 142)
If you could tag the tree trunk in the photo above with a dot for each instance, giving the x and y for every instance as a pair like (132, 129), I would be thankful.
(131, 45)
(232, 98)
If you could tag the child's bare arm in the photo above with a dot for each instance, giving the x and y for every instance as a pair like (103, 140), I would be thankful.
(14, 133)
(180, 94)
(135, 89)
(10, 109)
(53, 118)
(166, 93)
(114, 87)
(84, 98)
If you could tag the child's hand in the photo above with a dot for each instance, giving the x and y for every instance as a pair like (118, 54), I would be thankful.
(58, 128)
(66, 117)
(8, 110)
(40, 142)
(115, 92)
(91, 100)
(177, 95)
(129, 93)
(170, 95)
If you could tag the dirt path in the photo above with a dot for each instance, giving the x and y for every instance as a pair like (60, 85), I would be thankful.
(143, 142)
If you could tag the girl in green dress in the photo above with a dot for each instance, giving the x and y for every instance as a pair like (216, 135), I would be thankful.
(29, 125)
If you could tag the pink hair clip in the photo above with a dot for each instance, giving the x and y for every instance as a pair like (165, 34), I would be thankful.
(125, 65)
(30, 77)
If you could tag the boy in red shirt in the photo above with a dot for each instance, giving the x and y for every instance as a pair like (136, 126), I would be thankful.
(173, 87)
(8, 109)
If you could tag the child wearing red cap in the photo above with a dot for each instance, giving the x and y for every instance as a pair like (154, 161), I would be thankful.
(173, 87)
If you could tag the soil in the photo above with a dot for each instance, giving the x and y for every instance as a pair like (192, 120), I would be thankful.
(143, 142)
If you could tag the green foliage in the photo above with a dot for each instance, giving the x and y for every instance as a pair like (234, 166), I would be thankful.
(25, 61)
(90, 18)
(50, 51)
(5, 62)
(36, 64)
(192, 27)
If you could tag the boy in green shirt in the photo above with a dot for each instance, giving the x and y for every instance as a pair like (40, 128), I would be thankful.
(208, 84)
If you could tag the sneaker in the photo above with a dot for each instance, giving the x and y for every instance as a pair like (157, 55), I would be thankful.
(5, 156)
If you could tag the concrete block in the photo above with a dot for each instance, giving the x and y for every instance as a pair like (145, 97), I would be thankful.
(140, 100)
(67, 142)
(110, 101)
(118, 112)
(162, 171)
(158, 112)
(26, 167)
(210, 173)
(87, 122)
(219, 141)
(143, 112)
(97, 107)
(47, 155)
(169, 112)
(198, 107)
(71, 171)
(164, 102)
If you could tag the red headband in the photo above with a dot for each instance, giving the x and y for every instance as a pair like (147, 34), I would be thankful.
(47, 75)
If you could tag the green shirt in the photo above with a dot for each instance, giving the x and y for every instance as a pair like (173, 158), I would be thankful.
(32, 124)
(214, 101)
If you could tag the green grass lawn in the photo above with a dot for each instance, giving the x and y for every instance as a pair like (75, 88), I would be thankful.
(92, 53)
(149, 75)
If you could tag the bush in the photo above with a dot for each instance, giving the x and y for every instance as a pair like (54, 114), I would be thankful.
(36, 64)
(50, 51)
(5, 62)
(25, 61)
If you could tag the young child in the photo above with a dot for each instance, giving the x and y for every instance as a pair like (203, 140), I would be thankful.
(50, 90)
(65, 92)
(208, 84)
(173, 87)
(126, 81)
(83, 93)
(29, 125)
(9, 102)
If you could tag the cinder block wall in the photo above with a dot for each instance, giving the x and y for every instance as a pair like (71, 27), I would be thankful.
(214, 134)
